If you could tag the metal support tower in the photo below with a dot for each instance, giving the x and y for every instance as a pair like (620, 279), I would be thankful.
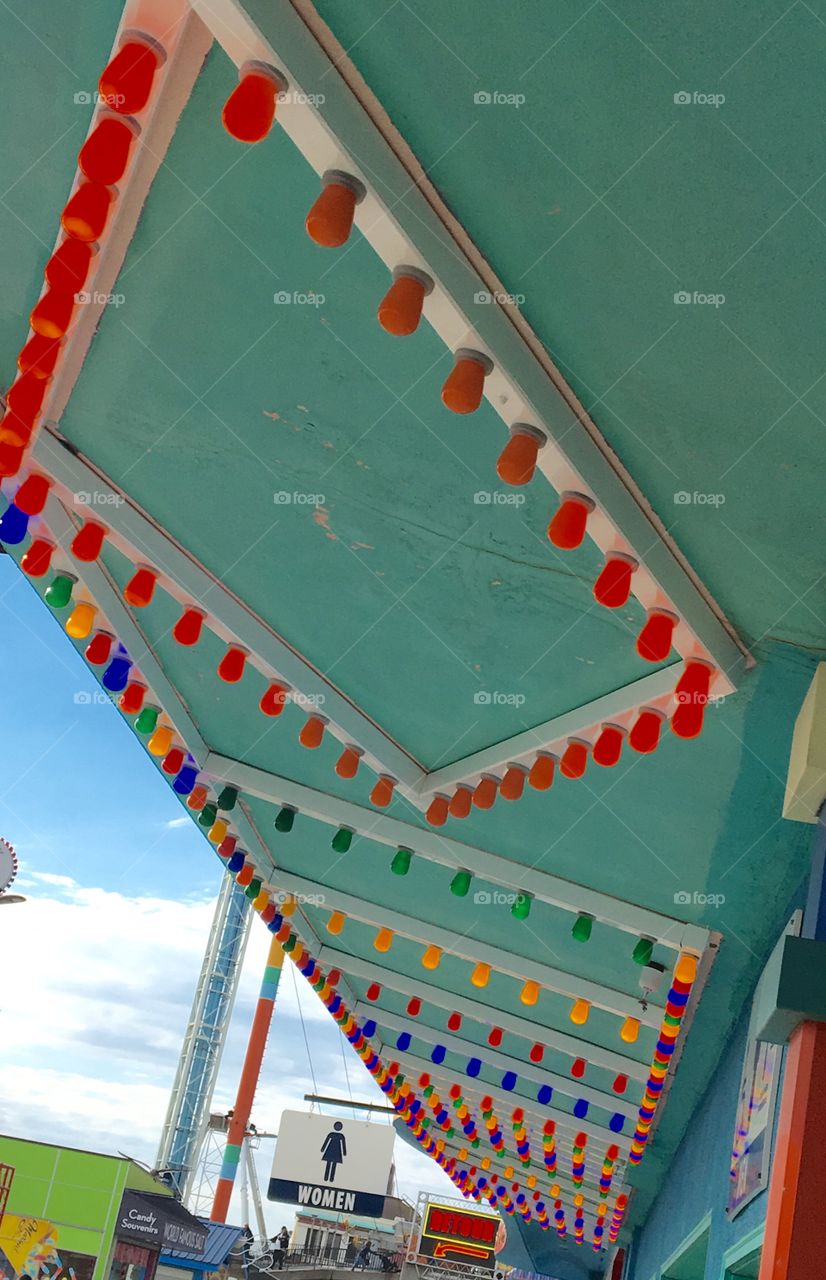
(187, 1117)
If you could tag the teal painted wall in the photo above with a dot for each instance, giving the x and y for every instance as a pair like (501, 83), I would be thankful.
(698, 1180)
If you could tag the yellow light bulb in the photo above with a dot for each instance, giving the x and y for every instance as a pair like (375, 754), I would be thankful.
(431, 957)
(336, 922)
(530, 992)
(579, 1013)
(630, 1030)
(481, 975)
(686, 970)
(81, 620)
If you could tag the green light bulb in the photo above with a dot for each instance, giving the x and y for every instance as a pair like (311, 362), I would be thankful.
(460, 884)
(289, 945)
(643, 950)
(253, 889)
(207, 816)
(59, 591)
(522, 906)
(428, 1090)
(401, 862)
(475, 1143)
(342, 839)
(583, 925)
(147, 721)
(285, 819)
(228, 798)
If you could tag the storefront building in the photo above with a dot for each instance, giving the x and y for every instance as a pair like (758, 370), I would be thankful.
(85, 1215)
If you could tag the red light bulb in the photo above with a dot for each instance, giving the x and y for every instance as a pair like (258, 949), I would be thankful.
(512, 785)
(126, 83)
(613, 586)
(274, 699)
(25, 396)
(537, 1052)
(348, 762)
(105, 153)
(608, 746)
(231, 667)
(541, 774)
(173, 760)
(330, 219)
(484, 797)
(99, 648)
(692, 694)
(657, 636)
(68, 268)
(454, 1022)
(567, 528)
(374, 991)
(187, 629)
(495, 1037)
(465, 384)
(14, 431)
(39, 356)
(87, 212)
(414, 1006)
(645, 731)
(132, 698)
(575, 758)
(517, 461)
(620, 1084)
(37, 560)
(438, 810)
(140, 588)
(52, 314)
(32, 494)
(578, 1068)
(460, 802)
(249, 111)
(88, 541)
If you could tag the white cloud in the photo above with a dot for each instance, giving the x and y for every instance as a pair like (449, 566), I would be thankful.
(92, 1035)
(183, 821)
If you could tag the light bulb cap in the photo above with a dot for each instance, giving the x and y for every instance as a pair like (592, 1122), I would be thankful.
(528, 429)
(469, 353)
(344, 179)
(414, 273)
(253, 67)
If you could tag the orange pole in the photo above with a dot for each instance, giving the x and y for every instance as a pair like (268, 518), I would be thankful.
(794, 1211)
(248, 1082)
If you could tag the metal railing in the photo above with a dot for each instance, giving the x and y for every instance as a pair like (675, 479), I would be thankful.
(272, 1261)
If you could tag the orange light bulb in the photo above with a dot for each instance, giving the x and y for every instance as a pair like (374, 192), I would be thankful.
(567, 528)
(400, 310)
(431, 957)
(348, 762)
(517, 461)
(312, 732)
(461, 801)
(52, 314)
(330, 219)
(512, 785)
(481, 974)
(530, 992)
(574, 758)
(465, 384)
(382, 792)
(383, 940)
(579, 1012)
(438, 810)
(541, 775)
(484, 797)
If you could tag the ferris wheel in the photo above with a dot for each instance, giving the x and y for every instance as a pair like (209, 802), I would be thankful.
(8, 871)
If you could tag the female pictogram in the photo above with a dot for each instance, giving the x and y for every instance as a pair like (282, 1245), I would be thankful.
(333, 1150)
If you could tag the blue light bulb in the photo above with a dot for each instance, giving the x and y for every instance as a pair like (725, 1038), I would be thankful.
(14, 525)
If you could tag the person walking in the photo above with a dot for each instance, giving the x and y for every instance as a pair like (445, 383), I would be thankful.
(281, 1243)
(362, 1258)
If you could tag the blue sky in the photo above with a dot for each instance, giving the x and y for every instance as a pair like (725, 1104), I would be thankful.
(120, 887)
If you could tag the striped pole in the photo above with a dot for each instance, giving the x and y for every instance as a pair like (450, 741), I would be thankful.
(248, 1082)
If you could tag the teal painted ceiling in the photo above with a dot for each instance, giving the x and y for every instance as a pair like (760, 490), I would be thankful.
(596, 201)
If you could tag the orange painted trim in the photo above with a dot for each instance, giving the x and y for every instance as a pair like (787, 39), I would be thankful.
(793, 1238)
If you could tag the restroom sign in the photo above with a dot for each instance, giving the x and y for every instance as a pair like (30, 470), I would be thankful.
(326, 1163)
